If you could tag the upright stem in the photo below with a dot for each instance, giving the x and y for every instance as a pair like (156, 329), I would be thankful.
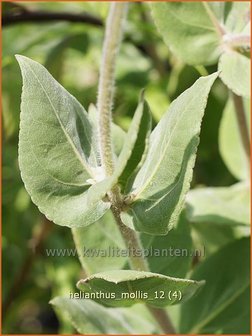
(111, 45)
(138, 262)
(163, 320)
(242, 124)
(113, 36)
(132, 243)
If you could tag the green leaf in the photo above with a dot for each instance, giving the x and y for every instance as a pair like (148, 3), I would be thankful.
(140, 148)
(55, 58)
(230, 144)
(133, 150)
(235, 72)
(190, 30)
(129, 287)
(97, 247)
(226, 295)
(88, 317)
(208, 238)
(118, 138)
(56, 155)
(171, 254)
(97, 243)
(220, 205)
(237, 16)
(161, 184)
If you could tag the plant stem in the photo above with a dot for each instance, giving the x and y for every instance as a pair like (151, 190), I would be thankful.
(133, 243)
(163, 320)
(242, 124)
(238, 40)
(113, 36)
(138, 262)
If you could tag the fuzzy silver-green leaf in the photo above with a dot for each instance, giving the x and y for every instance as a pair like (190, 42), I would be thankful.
(122, 284)
(159, 189)
(56, 155)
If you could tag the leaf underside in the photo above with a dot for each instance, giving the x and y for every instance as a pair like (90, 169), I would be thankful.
(126, 283)
(235, 72)
(56, 154)
(188, 31)
(163, 180)
(88, 317)
(220, 205)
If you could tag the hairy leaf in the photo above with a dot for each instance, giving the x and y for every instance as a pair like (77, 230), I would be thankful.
(235, 72)
(161, 184)
(237, 16)
(140, 148)
(97, 245)
(226, 295)
(56, 154)
(129, 287)
(170, 254)
(230, 143)
(130, 155)
(88, 317)
(220, 205)
(189, 30)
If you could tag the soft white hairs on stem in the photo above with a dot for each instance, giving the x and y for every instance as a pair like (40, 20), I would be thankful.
(112, 41)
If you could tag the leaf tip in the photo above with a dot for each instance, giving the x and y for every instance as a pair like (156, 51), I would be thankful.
(142, 96)
(19, 57)
(80, 284)
(201, 282)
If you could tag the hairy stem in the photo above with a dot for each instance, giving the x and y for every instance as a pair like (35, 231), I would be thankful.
(113, 36)
(138, 262)
(132, 242)
(242, 124)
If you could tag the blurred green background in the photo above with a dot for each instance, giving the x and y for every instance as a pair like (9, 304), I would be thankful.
(72, 53)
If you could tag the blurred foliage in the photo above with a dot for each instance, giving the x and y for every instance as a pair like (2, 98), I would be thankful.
(72, 52)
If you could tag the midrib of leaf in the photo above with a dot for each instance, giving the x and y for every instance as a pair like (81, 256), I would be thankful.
(191, 24)
(145, 185)
(204, 322)
(166, 194)
(53, 177)
(83, 163)
(219, 30)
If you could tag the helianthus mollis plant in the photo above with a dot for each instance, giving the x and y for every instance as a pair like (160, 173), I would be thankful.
(78, 177)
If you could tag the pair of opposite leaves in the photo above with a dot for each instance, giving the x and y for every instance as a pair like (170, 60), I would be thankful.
(59, 162)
